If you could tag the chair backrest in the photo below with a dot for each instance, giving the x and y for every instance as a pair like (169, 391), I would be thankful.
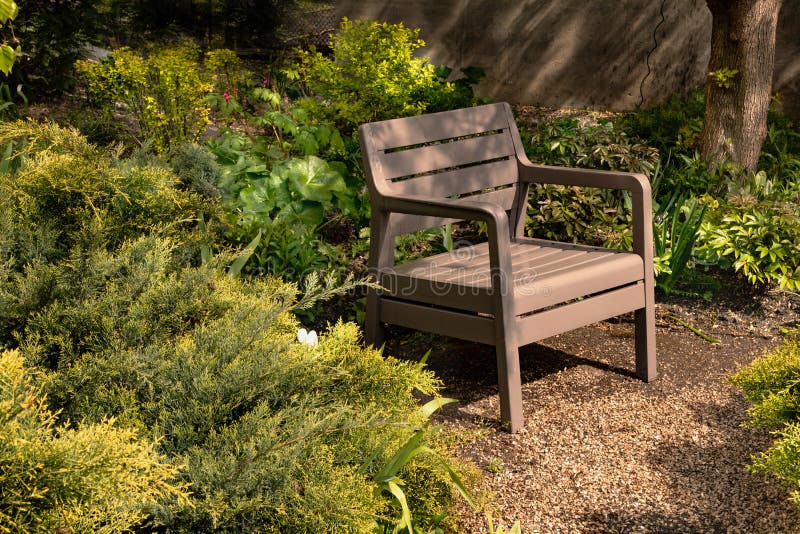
(465, 153)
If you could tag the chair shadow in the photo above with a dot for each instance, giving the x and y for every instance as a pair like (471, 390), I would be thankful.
(469, 370)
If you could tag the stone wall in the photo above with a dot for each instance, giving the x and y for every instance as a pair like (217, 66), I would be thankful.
(581, 53)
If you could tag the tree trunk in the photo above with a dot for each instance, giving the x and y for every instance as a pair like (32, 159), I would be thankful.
(742, 40)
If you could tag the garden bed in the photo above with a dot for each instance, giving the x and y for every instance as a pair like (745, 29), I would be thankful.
(602, 451)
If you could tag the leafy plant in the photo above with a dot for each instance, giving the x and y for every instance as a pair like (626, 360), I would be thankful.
(759, 239)
(285, 200)
(671, 127)
(8, 106)
(52, 35)
(8, 12)
(598, 146)
(586, 215)
(459, 92)
(373, 74)
(163, 91)
(290, 130)
(722, 77)
(676, 224)
(231, 83)
(388, 480)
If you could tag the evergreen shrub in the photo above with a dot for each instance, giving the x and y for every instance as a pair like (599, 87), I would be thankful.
(96, 477)
(110, 308)
(770, 385)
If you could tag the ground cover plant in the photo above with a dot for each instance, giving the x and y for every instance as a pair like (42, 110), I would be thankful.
(711, 216)
(104, 295)
(770, 384)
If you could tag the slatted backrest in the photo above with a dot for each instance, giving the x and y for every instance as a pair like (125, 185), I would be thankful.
(465, 153)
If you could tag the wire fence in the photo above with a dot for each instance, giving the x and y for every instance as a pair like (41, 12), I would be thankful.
(309, 24)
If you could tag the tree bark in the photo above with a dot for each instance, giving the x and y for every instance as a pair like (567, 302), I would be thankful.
(742, 40)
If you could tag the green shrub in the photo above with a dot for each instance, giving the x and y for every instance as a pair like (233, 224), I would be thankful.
(373, 75)
(277, 186)
(270, 434)
(783, 459)
(759, 239)
(79, 189)
(586, 215)
(197, 169)
(163, 91)
(673, 126)
(231, 84)
(90, 478)
(770, 385)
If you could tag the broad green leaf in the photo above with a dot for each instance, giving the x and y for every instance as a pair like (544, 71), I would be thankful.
(7, 58)
(307, 143)
(313, 179)
(301, 212)
(257, 197)
(8, 10)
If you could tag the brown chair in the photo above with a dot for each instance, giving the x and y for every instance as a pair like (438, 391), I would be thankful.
(469, 164)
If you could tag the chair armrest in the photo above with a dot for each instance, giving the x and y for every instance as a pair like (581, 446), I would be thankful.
(493, 215)
(546, 174)
(637, 184)
(487, 212)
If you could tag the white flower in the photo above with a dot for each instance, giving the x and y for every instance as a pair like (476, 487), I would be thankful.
(309, 338)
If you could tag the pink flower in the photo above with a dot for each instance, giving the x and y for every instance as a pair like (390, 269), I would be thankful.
(265, 83)
(227, 96)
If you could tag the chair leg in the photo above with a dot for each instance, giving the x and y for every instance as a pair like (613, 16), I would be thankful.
(508, 378)
(373, 327)
(645, 341)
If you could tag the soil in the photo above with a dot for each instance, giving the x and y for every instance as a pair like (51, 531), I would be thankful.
(604, 452)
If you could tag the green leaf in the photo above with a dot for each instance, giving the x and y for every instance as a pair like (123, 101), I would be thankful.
(307, 142)
(7, 58)
(313, 179)
(238, 264)
(8, 10)
(257, 197)
(405, 521)
(431, 406)
(304, 213)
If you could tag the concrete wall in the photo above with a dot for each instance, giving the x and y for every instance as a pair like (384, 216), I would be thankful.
(581, 53)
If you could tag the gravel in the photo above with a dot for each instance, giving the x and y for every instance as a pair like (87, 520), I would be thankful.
(602, 451)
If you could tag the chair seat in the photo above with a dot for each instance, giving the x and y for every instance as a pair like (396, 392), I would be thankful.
(545, 273)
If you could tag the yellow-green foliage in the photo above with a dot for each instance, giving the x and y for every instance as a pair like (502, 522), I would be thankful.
(373, 74)
(70, 185)
(271, 435)
(225, 70)
(783, 459)
(771, 384)
(92, 478)
(162, 91)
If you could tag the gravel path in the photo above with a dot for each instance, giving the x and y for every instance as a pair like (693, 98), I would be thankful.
(604, 452)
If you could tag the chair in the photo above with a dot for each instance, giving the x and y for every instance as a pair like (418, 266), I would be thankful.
(469, 164)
